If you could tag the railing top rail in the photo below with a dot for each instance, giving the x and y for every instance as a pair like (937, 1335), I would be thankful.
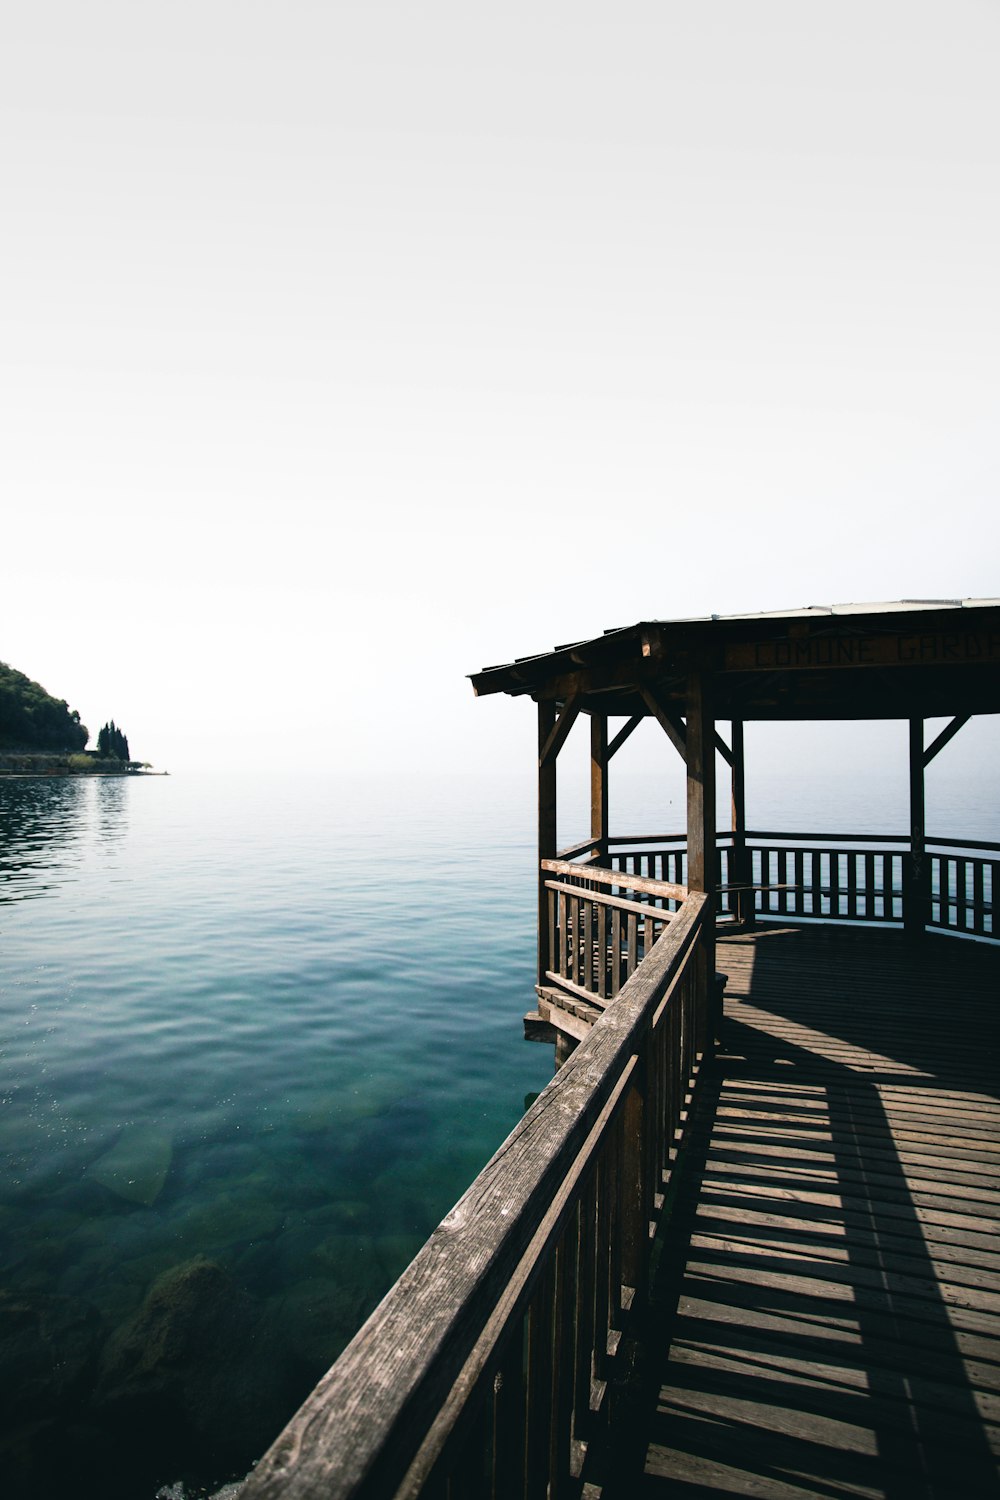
(363, 1425)
(828, 838)
(583, 846)
(870, 838)
(614, 903)
(647, 840)
(602, 876)
(987, 844)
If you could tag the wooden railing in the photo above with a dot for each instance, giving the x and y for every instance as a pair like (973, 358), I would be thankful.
(844, 878)
(488, 1370)
(658, 857)
(963, 886)
(835, 877)
(602, 924)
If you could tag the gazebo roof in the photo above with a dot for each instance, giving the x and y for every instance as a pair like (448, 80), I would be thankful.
(909, 658)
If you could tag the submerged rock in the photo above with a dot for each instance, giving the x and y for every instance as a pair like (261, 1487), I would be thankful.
(225, 1218)
(48, 1349)
(48, 1354)
(320, 1316)
(136, 1167)
(198, 1378)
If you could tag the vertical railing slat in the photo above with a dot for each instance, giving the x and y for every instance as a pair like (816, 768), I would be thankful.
(616, 946)
(978, 898)
(508, 1424)
(540, 1410)
(553, 927)
(603, 1186)
(587, 979)
(563, 1370)
(586, 1270)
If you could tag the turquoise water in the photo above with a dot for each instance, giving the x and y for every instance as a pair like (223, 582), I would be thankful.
(257, 1034)
(275, 1026)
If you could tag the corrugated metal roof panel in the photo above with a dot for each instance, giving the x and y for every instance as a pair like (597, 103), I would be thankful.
(809, 611)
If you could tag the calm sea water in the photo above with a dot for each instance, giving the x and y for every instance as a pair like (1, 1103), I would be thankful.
(275, 1025)
(256, 1037)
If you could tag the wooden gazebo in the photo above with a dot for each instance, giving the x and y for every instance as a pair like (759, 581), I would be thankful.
(909, 660)
(822, 1188)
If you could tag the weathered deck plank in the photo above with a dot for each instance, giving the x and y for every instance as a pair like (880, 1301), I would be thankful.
(833, 1319)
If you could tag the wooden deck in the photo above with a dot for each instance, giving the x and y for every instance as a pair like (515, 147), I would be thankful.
(831, 1322)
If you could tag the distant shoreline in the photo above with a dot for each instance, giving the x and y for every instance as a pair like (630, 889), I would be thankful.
(75, 775)
(22, 763)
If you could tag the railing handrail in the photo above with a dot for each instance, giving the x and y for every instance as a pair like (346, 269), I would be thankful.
(377, 1421)
(583, 846)
(602, 898)
(985, 844)
(601, 876)
(903, 839)
(618, 841)
(646, 838)
(828, 838)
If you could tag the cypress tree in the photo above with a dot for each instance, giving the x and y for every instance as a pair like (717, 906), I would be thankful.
(112, 743)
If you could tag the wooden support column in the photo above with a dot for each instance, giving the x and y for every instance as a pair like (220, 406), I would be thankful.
(741, 867)
(916, 886)
(702, 859)
(599, 783)
(546, 827)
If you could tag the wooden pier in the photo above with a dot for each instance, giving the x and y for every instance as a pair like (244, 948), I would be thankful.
(828, 1322)
(749, 1253)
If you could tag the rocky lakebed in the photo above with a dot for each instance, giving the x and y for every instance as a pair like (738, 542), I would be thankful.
(166, 1310)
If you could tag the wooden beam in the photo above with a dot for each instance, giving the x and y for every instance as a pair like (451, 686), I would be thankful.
(623, 734)
(700, 788)
(723, 749)
(948, 733)
(546, 827)
(917, 885)
(741, 858)
(560, 729)
(702, 858)
(599, 781)
(673, 727)
(739, 820)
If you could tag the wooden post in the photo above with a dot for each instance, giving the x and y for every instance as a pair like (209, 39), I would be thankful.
(599, 783)
(702, 858)
(637, 1210)
(915, 886)
(546, 828)
(741, 870)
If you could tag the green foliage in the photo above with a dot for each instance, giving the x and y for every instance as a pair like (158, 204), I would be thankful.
(31, 719)
(112, 744)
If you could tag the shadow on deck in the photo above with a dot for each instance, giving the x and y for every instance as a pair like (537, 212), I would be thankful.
(829, 1321)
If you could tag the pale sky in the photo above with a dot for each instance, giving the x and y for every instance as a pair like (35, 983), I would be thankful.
(349, 348)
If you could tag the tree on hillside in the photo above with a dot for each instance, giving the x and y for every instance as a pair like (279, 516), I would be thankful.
(31, 719)
(112, 744)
